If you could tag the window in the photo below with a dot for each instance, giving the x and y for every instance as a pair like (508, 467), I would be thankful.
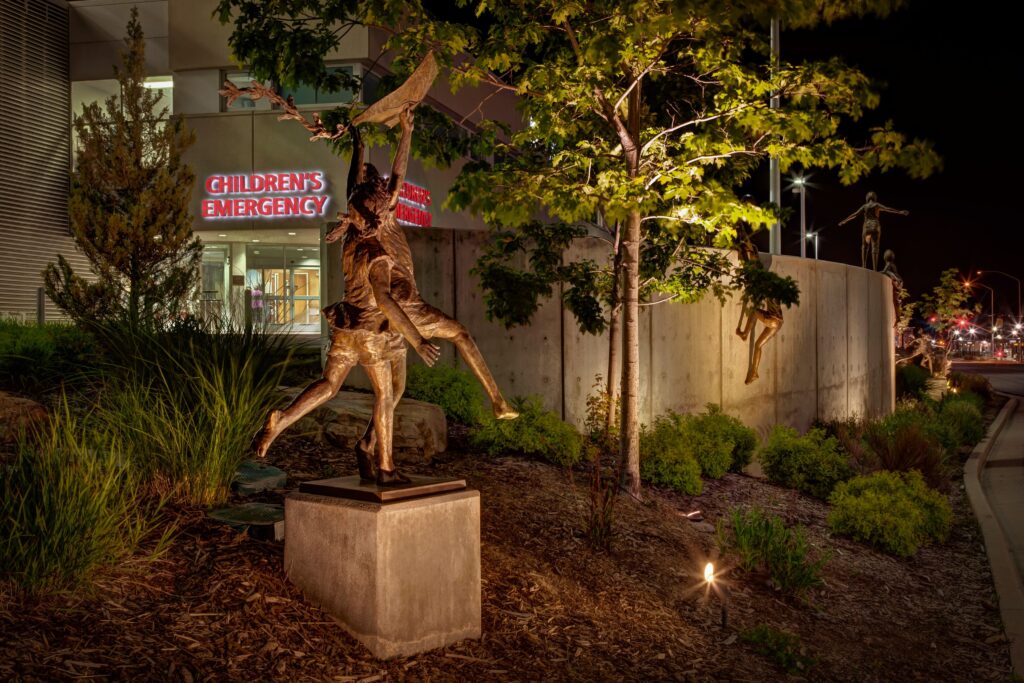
(306, 95)
(243, 79)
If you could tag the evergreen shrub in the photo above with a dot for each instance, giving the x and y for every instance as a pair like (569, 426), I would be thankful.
(536, 432)
(456, 391)
(894, 511)
(812, 463)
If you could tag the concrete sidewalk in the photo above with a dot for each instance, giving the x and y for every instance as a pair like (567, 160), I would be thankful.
(994, 478)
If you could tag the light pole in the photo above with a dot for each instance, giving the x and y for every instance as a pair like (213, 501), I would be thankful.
(814, 236)
(992, 325)
(800, 187)
(999, 272)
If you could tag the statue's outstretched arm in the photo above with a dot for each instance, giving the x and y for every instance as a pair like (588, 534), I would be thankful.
(356, 172)
(889, 209)
(852, 215)
(401, 164)
(380, 283)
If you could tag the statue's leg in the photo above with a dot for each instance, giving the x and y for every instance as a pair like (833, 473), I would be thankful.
(317, 393)
(434, 323)
(771, 328)
(751, 321)
(874, 253)
(383, 422)
(366, 445)
(864, 251)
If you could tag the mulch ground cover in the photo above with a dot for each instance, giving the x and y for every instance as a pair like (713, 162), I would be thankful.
(217, 607)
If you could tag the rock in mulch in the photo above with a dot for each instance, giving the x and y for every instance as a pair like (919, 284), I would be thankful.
(262, 520)
(420, 428)
(253, 477)
(18, 414)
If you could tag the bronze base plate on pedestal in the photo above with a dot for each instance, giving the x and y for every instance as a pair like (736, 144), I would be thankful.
(354, 488)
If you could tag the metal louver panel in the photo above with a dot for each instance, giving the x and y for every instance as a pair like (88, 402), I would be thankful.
(35, 139)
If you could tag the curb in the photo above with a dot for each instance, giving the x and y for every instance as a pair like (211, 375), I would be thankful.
(1005, 575)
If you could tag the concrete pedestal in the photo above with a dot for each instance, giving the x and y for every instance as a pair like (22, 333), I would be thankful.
(401, 577)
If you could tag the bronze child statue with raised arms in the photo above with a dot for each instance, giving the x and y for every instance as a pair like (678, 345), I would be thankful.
(382, 305)
(871, 232)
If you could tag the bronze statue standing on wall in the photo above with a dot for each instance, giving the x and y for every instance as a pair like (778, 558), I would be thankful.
(871, 233)
(768, 311)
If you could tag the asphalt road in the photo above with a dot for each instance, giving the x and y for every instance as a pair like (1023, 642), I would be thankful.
(1005, 377)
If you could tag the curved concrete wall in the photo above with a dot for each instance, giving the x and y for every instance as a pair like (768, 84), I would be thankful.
(832, 358)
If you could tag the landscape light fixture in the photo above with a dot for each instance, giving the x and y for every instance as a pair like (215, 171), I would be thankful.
(721, 591)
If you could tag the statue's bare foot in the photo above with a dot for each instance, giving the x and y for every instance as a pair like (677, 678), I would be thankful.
(364, 460)
(392, 478)
(504, 411)
(750, 378)
(268, 433)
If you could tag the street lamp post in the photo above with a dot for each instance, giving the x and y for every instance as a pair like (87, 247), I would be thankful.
(999, 272)
(800, 187)
(992, 327)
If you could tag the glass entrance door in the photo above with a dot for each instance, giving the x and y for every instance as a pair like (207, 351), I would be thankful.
(285, 285)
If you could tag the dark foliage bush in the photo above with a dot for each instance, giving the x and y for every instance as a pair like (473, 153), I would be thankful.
(38, 359)
(456, 391)
(666, 457)
(894, 511)
(536, 432)
(763, 542)
(975, 384)
(911, 381)
(903, 445)
(962, 416)
(812, 463)
(782, 647)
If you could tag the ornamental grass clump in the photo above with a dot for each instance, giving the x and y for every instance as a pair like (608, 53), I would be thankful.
(536, 432)
(812, 463)
(894, 511)
(763, 542)
(187, 403)
(71, 503)
(456, 391)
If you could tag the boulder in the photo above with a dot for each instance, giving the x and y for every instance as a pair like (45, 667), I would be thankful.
(18, 414)
(420, 428)
(253, 477)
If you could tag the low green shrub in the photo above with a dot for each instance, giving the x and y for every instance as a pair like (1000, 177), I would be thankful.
(925, 416)
(718, 429)
(70, 504)
(456, 391)
(812, 463)
(536, 432)
(782, 647)
(965, 382)
(893, 511)
(911, 381)
(763, 542)
(962, 416)
(666, 457)
(37, 359)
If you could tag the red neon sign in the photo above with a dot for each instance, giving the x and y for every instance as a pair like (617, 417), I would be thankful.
(265, 195)
(413, 203)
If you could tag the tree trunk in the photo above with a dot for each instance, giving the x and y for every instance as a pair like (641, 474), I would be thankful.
(631, 353)
(630, 446)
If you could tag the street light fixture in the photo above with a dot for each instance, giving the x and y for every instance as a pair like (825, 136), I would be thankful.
(999, 272)
(814, 236)
(800, 188)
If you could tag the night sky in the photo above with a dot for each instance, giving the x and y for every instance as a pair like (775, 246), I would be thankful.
(946, 77)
